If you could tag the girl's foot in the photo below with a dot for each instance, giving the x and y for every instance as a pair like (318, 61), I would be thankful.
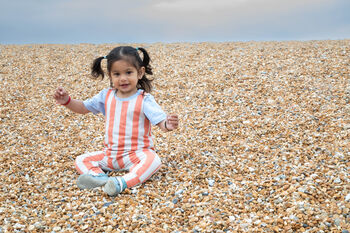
(114, 186)
(86, 181)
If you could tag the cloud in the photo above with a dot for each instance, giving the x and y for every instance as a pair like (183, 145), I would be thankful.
(241, 19)
(196, 5)
(92, 21)
(35, 21)
(180, 11)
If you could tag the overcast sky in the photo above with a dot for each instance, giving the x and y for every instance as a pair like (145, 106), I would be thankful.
(149, 21)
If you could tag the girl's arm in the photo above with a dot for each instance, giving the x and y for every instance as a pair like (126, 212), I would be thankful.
(62, 97)
(170, 123)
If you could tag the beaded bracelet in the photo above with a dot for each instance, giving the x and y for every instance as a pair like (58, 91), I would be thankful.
(69, 99)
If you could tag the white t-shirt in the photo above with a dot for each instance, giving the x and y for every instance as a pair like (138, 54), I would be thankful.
(151, 108)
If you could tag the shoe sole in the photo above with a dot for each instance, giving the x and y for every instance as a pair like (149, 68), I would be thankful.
(89, 182)
(110, 188)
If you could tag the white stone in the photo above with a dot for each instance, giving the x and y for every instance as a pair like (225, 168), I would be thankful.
(18, 226)
(347, 198)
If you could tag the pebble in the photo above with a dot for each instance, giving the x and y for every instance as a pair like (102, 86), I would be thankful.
(108, 204)
(232, 218)
(205, 193)
(211, 182)
(337, 180)
(179, 192)
(56, 229)
(347, 198)
(18, 226)
(263, 136)
(337, 222)
(328, 224)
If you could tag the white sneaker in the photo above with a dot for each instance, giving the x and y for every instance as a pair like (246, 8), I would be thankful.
(114, 186)
(86, 181)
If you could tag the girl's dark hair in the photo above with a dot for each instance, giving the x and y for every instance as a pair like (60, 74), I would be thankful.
(130, 55)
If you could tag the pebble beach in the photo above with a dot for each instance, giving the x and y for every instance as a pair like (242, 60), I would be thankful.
(263, 143)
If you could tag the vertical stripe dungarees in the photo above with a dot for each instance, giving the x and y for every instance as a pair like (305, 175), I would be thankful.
(128, 142)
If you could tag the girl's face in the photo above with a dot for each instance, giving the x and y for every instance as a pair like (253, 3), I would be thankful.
(124, 77)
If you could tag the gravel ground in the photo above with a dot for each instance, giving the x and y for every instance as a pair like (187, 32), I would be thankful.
(263, 144)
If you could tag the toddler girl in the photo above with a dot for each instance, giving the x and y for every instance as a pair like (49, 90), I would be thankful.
(129, 111)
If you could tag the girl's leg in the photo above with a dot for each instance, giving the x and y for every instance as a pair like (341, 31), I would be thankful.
(140, 172)
(90, 163)
(144, 164)
(90, 167)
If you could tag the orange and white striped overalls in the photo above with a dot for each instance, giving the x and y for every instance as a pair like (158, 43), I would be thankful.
(128, 142)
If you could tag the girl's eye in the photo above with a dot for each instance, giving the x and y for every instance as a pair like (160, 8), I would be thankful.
(129, 72)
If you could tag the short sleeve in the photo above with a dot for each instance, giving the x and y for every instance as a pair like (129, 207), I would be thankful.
(152, 110)
(96, 104)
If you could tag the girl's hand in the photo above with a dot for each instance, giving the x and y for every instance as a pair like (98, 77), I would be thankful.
(172, 122)
(61, 96)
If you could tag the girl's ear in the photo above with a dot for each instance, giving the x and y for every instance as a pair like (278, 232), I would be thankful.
(141, 72)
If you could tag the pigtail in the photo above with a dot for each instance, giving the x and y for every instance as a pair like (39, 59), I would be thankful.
(146, 61)
(96, 69)
(145, 83)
